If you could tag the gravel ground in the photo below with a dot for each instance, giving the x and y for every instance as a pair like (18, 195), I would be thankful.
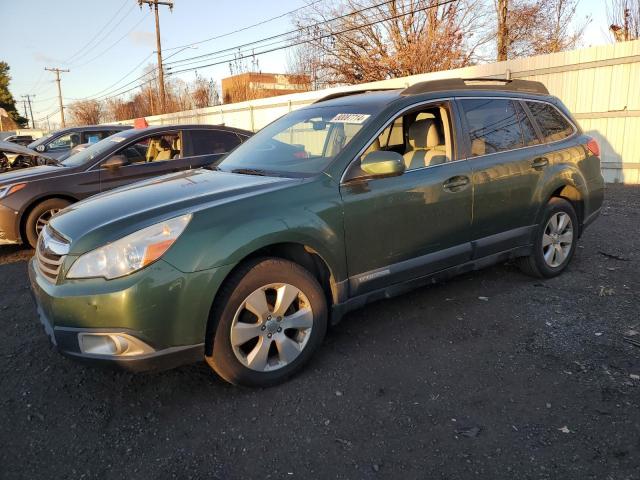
(490, 375)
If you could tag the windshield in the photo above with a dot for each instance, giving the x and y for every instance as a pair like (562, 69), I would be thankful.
(89, 153)
(39, 141)
(301, 143)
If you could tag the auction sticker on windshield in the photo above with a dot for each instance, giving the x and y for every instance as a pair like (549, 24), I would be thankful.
(350, 118)
(118, 139)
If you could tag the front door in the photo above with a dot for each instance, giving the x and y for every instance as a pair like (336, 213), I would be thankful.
(149, 157)
(404, 227)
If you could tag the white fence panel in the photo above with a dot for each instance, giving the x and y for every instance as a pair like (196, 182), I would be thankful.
(600, 85)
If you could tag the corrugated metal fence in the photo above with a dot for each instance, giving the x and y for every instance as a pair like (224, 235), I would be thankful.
(600, 85)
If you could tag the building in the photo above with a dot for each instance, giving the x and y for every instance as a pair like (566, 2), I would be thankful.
(251, 85)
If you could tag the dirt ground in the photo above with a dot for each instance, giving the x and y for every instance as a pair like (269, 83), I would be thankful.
(490, 375)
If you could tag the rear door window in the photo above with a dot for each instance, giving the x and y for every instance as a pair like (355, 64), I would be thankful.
(552, 123)
(207, 142)
(493, 125)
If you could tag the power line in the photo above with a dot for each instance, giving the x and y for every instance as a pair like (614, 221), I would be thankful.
(317, 38)
(248, 27)
(98, 37)
(297, 30)
(114, 43)
(119, 80)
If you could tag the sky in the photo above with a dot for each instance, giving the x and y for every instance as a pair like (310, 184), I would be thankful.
(100, 41)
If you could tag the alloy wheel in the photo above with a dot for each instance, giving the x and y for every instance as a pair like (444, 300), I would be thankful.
(271, 327)
(557, 239)
(43, 219)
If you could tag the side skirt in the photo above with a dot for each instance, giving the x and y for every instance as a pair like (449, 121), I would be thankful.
(340, 309)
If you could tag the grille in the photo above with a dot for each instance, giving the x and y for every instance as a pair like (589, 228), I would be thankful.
(50, 253)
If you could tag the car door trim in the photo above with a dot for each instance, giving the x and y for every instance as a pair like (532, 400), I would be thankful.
(408, 269)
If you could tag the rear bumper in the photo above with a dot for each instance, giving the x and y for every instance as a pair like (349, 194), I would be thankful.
(8, 229)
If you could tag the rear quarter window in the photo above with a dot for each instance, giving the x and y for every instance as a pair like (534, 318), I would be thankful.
(552, 123)
(207, 142)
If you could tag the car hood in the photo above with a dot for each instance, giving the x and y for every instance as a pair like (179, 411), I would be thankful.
(112, 215)
(19, 149)
(29, 174)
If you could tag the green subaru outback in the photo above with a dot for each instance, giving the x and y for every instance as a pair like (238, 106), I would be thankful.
(358, 197)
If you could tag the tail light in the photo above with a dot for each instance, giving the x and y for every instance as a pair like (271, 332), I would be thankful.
(593, 147)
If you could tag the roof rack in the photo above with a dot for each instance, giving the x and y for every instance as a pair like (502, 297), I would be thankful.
(524, 86)
(352, 92)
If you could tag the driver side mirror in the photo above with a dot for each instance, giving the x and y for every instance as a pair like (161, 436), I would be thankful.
(114, 162)
(41, 148)
(382, 163)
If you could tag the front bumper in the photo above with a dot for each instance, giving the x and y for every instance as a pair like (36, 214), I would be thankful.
(160, 306)
(8, 226)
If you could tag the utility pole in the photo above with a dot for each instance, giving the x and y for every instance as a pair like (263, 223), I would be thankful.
(154, 4)
(28, 100)
(503, 29)
(57, 72)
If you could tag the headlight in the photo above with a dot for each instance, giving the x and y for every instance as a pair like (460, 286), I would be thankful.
(131, 253)
(9, 189)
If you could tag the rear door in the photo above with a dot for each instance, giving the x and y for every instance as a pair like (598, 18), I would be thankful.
(206, 147)
(404, 227)
(507, 161)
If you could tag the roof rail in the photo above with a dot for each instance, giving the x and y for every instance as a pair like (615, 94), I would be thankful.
(352, 92)
(500, 84)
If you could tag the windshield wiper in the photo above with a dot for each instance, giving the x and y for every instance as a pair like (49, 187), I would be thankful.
(250, 171)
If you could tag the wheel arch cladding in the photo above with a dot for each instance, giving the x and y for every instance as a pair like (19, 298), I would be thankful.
(304, 255)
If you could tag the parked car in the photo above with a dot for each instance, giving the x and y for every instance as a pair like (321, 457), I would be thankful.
(30, 197)
(14, 156)
(74, 150)
(23, 140)
(61, 141)
(356, 198)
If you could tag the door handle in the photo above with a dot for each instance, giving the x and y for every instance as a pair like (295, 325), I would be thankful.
(540, 162)
(455, 184)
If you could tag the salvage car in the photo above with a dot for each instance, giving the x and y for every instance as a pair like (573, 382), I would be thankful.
(30, 197)
(60, 142)
(23, 140)
(14, 156)
(356, 198)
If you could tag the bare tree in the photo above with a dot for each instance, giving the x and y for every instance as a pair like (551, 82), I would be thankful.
(387, 40)
(624, 19)
(85, 112)
(536, 27)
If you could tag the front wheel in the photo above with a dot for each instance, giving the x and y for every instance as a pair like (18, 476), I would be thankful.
(555, 241)
(39, 217)
(271, 316)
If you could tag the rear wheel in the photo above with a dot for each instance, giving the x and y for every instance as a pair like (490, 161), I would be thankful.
(555, 241)
(39, 217)
(271, 317)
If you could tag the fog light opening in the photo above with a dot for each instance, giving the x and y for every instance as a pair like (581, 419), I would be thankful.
(112, 344)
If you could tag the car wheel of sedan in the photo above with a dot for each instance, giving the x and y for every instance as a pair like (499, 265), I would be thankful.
(39, 217)
(271, 317)
(555, 241)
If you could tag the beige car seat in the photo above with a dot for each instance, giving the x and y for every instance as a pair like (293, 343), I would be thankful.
(159, 150)
(426, 145)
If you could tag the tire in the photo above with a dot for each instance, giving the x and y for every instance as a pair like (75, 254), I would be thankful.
(39, 216)
(242, 337)
(555, 241)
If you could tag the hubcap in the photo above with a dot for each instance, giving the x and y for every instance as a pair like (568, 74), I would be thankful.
(272, 327)
(44, 219)
(557, 239)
